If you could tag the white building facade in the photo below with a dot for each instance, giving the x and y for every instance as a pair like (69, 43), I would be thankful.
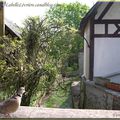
(101, 28)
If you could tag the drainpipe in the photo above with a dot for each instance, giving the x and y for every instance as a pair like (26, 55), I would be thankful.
(2, 24)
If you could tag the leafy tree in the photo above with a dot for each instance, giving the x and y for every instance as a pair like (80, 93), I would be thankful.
(69, 14)
(40, 71)
(11, 65)
(65, 18)
(26, 62)
(35, 60)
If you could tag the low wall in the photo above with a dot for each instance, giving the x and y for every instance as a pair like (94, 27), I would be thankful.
(98, 97)
(37, 112)
(75, 92)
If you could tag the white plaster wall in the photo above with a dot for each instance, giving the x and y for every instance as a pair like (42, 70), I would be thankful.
(106, 56)
(81, 61)
(111, 28)
(114, 12)
(86, 51)
(99, 28)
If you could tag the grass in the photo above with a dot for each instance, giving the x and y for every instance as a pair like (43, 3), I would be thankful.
(59, 98)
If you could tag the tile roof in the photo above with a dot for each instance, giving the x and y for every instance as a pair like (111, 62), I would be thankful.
(13, 27)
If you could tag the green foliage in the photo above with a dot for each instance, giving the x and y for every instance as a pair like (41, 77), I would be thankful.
(36, 34)
(15, 71)
(68, 14)
(35, 38)
(11, 63)
(46, 46)
(65, 19)
(60, 98)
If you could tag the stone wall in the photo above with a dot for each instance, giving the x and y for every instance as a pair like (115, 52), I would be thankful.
(75, 92)
(98, 97)
(116, 103)
(37, 112)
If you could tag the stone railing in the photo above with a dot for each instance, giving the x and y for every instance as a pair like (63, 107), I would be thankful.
(37, 112)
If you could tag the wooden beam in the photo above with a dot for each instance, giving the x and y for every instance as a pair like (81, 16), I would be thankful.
(118, 29)
(106, 28)
(107, 35)
(2, 24)
(91, 64)
(108, 21)
(105, 10)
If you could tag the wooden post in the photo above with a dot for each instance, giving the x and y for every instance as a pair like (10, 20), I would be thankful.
(2, 25)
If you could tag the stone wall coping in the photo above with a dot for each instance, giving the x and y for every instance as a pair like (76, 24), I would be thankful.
(38, 112)
(109, 91)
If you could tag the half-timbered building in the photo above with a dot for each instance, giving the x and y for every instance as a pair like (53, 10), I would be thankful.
(100, 29)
